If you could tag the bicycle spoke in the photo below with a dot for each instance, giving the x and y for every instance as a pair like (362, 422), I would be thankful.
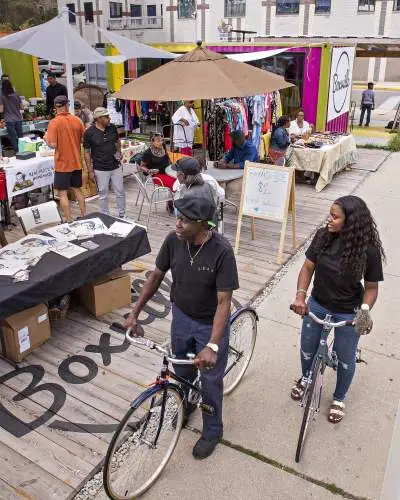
(143, 445)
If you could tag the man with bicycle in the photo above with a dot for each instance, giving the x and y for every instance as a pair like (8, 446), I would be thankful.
(204, 275)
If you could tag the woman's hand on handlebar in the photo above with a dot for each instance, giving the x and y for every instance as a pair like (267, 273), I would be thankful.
(131, 322)
(300, 306)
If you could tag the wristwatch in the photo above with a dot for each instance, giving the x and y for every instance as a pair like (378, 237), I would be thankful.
(213, 347)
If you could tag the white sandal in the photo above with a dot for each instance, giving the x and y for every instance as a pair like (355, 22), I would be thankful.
(336, 412)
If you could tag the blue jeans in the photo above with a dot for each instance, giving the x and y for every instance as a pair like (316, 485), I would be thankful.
(345, 346)
(14, 131)
(188, 335)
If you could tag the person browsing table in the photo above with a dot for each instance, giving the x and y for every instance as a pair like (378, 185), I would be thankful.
(342, 255)
(242, 151)
(65, 134)
(204, 275)
(103, 155)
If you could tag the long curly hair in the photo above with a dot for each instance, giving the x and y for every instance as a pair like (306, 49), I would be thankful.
(358, 233)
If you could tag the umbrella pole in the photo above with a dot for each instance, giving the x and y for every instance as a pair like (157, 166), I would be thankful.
(203, 125)
(68, 65)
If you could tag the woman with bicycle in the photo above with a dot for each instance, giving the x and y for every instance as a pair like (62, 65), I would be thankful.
(342, 255)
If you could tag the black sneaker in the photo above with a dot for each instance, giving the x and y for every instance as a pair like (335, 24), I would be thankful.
(204, 447)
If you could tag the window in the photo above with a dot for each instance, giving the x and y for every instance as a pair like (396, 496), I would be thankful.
(136, 10)
(235, 8)
(366, 5)
(322, 6)
(115, 10)
(187, 9)
(151, 10)
(396, 5)
(287, 6)
(88, 10)
(71, 13)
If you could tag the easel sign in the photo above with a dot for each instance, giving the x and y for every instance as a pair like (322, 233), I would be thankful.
(268, 192)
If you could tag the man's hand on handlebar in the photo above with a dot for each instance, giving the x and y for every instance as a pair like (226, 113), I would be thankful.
(206, 359)
(132, 323)
(300, 306)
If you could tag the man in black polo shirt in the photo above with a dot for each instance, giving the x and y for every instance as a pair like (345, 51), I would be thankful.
(204, 276)
(53, 90)
(102, 155)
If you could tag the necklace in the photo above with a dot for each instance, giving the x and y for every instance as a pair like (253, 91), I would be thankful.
(198, 251)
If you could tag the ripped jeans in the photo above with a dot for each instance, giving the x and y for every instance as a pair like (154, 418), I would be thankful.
(345, 346)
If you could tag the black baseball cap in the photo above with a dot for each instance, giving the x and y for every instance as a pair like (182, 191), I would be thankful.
(61, 100)
(196, 209)
(188, 165)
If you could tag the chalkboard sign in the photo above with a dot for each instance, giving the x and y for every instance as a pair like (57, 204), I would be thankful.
(268, 192)
(265, 192)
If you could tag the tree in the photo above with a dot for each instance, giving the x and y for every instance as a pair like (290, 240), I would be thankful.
(21, 14)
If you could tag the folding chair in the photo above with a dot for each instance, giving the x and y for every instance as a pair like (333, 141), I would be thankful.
(37, 216)
(153, 194)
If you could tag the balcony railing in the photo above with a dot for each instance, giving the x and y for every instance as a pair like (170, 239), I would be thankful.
(136, 23)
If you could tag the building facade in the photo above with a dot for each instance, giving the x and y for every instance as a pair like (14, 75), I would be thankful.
(164, 21)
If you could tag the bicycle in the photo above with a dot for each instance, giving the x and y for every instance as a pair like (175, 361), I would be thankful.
(313, 390)
(148, 433)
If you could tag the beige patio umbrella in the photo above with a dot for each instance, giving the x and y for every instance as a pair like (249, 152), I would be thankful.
(201, 74)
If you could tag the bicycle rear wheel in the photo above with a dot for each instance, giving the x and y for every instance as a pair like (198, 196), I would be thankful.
(242, 339)
(313, 398)
(143, 443)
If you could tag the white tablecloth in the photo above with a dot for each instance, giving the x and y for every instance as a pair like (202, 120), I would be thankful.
(26, 175)
(130, 151)
(326, 161)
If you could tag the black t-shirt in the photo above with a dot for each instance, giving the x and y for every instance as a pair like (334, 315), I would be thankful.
(194, 287)
(102, 146)
(333, 290)
(156, 162)
(53, 91)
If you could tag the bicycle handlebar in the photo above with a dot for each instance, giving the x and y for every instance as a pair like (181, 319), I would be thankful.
(152, 345)
(324, 321)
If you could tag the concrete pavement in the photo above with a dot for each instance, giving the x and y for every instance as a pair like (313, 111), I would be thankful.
(349, 458)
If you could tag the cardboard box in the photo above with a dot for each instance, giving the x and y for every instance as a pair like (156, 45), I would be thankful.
(23, 332)
(106, 294)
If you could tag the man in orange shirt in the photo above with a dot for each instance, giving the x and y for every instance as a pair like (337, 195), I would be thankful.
(65, 135)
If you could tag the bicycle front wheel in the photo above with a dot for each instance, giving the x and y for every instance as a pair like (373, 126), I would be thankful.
(143, 443)
(313, 398)
(242, 339)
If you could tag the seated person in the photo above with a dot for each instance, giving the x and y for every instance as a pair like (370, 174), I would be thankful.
(189, 177)
(299, 127)
(155, 160)
(242, 150)
(280, 139)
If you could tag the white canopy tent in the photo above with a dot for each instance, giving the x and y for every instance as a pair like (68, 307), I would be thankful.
(57, 41)
(255, 56)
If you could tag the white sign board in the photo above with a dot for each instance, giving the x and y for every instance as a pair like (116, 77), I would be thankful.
(340, 81)
(266, 193)
(26, 175)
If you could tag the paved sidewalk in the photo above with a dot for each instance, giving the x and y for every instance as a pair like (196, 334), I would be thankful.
(350, 458)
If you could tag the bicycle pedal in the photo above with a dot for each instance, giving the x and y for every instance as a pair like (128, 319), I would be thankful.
(207, 408)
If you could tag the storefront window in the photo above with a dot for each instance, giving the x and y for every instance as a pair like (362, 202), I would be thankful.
(366, 5)
(291, 67)
(186, 9)
(71, 13)
(136, 10)
(287, 6)
(396, 5)
(88, 10)
(151, 10)
(235, 8)
(115, 10)
(322, 6)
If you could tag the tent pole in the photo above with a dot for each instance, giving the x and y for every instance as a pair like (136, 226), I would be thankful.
(68, 65)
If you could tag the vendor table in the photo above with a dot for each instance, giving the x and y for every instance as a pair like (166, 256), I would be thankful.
(130, 151)
(26, 175)
(55, 275)
(28, 127)
(326, 161)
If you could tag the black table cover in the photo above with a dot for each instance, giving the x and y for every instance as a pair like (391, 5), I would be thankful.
(55, 275)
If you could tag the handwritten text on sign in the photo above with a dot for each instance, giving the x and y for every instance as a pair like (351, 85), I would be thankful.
(266, 193)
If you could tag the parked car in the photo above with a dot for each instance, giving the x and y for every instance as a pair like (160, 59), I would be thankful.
(46, 66)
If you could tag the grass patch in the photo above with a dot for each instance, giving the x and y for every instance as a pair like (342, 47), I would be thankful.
(394, 143)
(374, 146)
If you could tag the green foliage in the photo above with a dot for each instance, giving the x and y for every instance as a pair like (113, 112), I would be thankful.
(394, 143)
(22, 14)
